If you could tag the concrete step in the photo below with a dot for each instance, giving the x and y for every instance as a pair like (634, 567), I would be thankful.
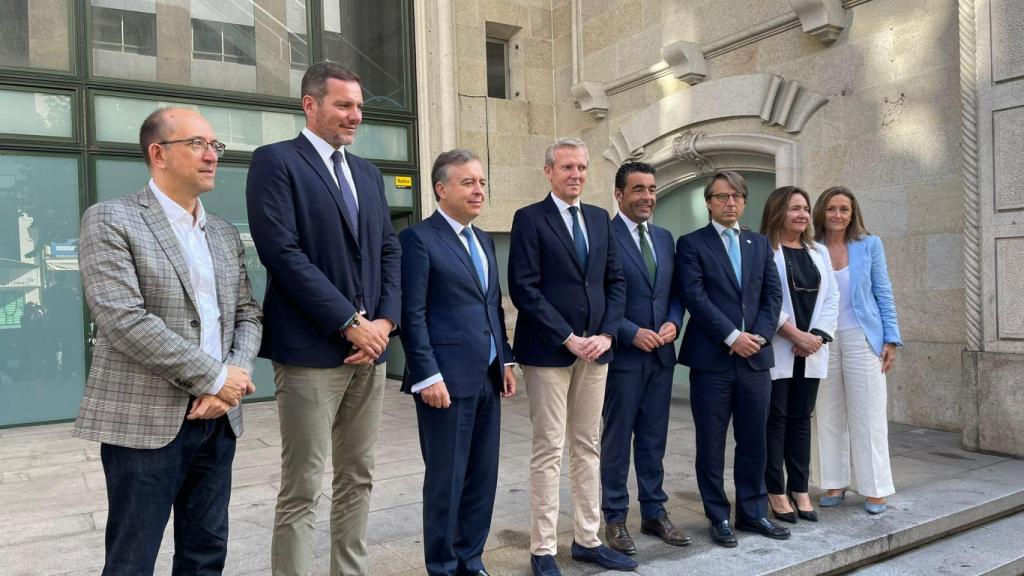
(848, 538)
(993, 549)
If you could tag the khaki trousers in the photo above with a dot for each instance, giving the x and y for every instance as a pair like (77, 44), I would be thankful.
(561, 399)
(315, 405)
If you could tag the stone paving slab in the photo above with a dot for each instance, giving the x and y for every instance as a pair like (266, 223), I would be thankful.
(53, 504)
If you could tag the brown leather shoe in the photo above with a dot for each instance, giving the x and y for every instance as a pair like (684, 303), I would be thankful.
(618, 538)
(663, 528)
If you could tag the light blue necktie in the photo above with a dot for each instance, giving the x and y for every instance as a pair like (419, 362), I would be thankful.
(577, 236)
(734, 253)
(478, 263)
(347, 195)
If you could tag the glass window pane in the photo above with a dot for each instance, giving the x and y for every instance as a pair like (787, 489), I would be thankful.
(119, 176)
(118, 120)
(42, 334)
(35, 113)
(398, 189)
(241, 45)
(382, 142)
(35, 34)
(371, 39)
(497, 69)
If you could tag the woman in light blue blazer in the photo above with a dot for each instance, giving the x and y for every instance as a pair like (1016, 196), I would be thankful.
(851, 410)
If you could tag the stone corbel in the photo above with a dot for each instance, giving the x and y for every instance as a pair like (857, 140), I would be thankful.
(687, 61)
(823, 19)
(591, 98)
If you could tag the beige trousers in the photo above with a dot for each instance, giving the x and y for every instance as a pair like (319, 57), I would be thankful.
(562, 399)
(851, 418)
(321, 410)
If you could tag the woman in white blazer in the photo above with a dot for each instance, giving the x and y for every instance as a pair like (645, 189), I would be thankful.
(810, 304)
(851, 419)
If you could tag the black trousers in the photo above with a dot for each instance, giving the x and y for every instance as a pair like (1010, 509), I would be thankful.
(789, 431)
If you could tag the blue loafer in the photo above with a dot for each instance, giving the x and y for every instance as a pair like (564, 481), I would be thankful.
(544, 565)
(873, 508)
(832, 501)
(603, 556)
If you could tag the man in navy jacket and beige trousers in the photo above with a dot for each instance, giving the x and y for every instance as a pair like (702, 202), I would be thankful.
(457, 365)
(566, 281)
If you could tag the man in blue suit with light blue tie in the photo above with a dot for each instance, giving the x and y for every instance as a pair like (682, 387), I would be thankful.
(457, 366)
(639, 389)
(727, 280)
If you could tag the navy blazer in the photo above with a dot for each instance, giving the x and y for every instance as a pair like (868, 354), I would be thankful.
(319, 273)
(708, 289)
(648, 305)
(554, 296)
(447, 319)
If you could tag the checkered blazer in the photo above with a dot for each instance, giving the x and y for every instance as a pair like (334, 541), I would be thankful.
(147, 359)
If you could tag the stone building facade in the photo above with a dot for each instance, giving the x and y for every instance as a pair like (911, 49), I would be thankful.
(916, 105)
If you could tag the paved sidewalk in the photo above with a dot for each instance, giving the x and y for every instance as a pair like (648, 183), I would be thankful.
(53, 505)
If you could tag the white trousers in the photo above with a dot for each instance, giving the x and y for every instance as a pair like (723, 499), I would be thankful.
(851, 418)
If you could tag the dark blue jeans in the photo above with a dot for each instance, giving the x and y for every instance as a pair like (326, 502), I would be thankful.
(192, 475)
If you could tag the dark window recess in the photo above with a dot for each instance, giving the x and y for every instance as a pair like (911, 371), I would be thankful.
(223, 42)
(497, 68)
(124, 31)
(299, 51)
(14, 32)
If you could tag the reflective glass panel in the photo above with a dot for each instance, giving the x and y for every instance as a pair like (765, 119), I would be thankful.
(398, 188)
(35, 34)
(42, 335)
(372, 39)
(243, 46)
(382, 142)
(119, 176)
(35, 113)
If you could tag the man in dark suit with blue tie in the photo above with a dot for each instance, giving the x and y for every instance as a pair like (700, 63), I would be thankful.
(457, 366)
(727, 280)
(566, 282)
(321, 225)
(639, 390)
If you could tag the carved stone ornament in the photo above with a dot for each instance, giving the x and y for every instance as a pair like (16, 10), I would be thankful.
(823, 19)
(684, 147)
(687, 61)
(591, 98)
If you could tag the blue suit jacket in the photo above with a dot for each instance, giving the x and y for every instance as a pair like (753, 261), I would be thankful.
(552, 292)
(648, 305)
(319, 273)
(873, 304)
(447, 318)
(718, 305)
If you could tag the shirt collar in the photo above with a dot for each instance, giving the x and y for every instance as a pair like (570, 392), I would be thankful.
(322, 147)
(562, 204)
(721, 229)
(175, 213)
(632, 226)
(455, 224)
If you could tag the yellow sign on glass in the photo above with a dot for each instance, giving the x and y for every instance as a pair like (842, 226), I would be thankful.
(403, 181)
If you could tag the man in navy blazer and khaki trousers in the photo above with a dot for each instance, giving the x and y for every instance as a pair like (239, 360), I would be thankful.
(727, 279)
(566, 282)
(322, 228)
(458, 364)
(639, 390)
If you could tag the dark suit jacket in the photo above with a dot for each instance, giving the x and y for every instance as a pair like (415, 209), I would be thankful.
(707, 287)
(447, 318)
(320, 274)
(553, 294)
(648, 305)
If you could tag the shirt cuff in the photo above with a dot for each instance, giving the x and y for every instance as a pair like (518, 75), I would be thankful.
(423, 384)
(566, 338)
(732, 338)
(219, 382)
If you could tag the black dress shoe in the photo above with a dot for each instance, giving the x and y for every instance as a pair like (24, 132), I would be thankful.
(764, 527)
(480, 572)
(722, 534)
(618, 538)
(663, 528)
(809, 515)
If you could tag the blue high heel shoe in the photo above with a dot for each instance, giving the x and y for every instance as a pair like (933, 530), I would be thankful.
(874, 508)
(832, 501)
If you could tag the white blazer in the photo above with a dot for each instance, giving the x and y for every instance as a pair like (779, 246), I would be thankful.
(825, 317)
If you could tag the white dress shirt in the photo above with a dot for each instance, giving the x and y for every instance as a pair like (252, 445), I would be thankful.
(725, 242)
(634, 231)
(325, 151)
(457, 227)
(192, 241)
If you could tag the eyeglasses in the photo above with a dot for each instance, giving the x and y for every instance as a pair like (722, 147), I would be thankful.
(199, 145)
(723, 198)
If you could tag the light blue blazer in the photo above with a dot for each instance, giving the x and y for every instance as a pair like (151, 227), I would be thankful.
(873, 304)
